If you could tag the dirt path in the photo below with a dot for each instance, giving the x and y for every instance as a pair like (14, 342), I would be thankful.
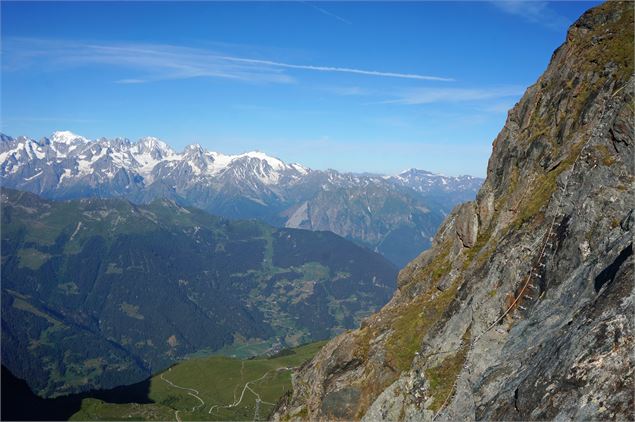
(191, 391)
(247, 387)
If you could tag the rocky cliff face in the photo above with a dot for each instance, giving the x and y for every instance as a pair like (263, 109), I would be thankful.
(523, 307)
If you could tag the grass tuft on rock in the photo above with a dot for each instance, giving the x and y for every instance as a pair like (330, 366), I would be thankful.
(441, 378)
(414, 321)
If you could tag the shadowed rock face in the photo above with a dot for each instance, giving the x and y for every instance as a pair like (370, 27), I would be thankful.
(523, 307)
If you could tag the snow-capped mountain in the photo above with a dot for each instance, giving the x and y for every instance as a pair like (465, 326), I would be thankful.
(377, 211)
(149, 158)
(425, 181)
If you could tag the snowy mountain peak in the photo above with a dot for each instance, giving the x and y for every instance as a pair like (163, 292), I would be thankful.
(274, 162)
(413, 172)
(66, 137)
(150, 142)
(153, 148)
(300, 168)
(74, 162)
(422, 180)
(196, 147)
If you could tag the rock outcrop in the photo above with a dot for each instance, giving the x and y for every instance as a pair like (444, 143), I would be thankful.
(523, 307)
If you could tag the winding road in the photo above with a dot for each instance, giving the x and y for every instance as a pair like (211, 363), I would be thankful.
(191, 391)
(195, 393)
(247, 387)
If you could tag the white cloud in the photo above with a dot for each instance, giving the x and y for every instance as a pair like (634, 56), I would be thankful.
(48, 119)
(347, 91)
(327, 13)
(339, 69)
(130, 81)
(160, 62)
(453, 95)
(534, 11)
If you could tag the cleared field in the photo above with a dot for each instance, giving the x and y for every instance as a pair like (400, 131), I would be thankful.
(209, 388)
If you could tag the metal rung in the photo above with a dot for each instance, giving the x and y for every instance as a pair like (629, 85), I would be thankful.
(531, 286)
(542, 265)
(529, 297)
(522, 307)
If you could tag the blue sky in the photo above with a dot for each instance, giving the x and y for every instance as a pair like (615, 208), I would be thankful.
(354, 86)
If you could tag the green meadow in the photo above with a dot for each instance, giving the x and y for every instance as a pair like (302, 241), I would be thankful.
(210, 388)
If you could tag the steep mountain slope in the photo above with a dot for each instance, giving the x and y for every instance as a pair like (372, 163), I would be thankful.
(398, 220)
(99, 292)
(373, 211)
(523, 307)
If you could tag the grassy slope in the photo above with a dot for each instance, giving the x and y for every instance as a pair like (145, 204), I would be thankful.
(219, 381)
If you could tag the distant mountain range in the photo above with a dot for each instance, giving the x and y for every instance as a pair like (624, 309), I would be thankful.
(393, 215)
(102, 292)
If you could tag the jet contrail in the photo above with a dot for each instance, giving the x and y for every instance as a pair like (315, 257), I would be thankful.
(338, 69)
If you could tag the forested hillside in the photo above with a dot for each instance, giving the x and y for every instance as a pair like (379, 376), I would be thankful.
(102, 292)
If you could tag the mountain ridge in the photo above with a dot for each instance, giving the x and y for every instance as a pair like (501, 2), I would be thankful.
(398, 221)
(159, 150)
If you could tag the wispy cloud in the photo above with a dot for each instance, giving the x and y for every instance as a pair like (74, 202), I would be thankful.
(130, 81)
(327, 13)
(160, 62)
(338, 69)
(534, 11)
(347, 91)
(48, 119)
(453, 95)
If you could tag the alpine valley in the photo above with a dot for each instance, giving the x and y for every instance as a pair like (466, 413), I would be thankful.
(142, 283)
(102, 292)
(393, 215)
